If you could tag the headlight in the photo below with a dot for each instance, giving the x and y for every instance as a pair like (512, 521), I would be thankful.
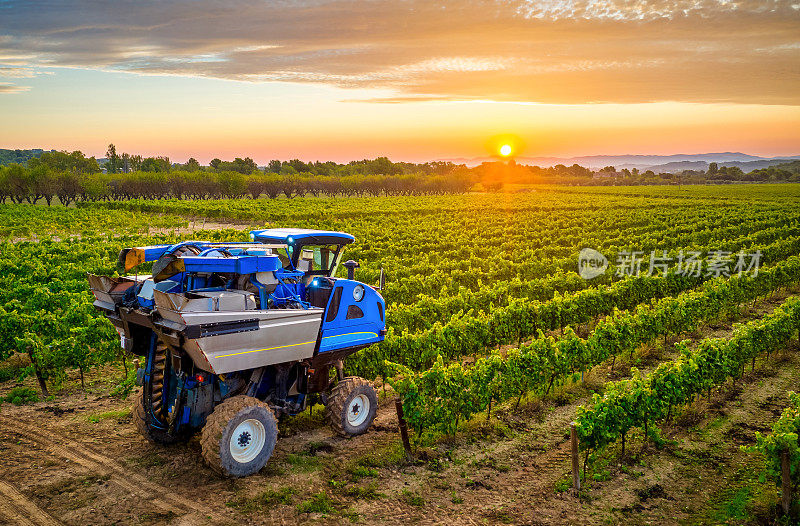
(252, 236)
(358, 292)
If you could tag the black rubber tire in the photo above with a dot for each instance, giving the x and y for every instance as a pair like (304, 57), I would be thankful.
(339, 400)
(216, 435)
(156, 436)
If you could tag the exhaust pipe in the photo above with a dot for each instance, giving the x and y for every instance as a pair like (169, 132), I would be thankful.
(351, 266)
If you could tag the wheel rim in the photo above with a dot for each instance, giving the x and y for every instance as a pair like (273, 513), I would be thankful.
(247, 440)
(358, 410)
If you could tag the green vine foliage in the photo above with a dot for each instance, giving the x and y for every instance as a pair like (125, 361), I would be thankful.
(646, 400)
(546, 361)
(470, 332)
(784, 437)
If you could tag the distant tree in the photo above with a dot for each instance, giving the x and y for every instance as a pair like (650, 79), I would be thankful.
(274, 166)
(732, 172)
(136, 163)
(298, 165)
(215, 163)
(577, 170)
(156, 164)
(244, 166)
(192, 165)
(626, 172)
(712, 169)
(608, 169)
(288, 169)
(113, 162)
(18, 156)
(74, 162)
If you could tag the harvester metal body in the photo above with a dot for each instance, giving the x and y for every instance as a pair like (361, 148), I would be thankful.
(256, 328)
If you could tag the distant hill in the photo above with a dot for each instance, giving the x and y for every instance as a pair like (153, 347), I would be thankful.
(746, 166)
(642, 162)
(19, 156)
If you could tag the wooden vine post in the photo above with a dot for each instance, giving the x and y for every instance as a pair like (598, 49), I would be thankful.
(576, 467)
(786, 483)
(401, 421)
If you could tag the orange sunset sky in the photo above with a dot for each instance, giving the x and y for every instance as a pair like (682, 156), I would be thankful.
(413, 80)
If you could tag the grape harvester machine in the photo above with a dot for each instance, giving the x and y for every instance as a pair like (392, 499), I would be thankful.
(237, 334)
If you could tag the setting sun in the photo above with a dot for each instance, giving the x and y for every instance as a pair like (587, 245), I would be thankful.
(505, 150)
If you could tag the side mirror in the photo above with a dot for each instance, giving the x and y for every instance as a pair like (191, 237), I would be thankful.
(351, 266)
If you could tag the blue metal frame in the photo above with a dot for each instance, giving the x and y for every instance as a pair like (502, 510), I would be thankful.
(341, 333)
(234, 264)
(292, 236)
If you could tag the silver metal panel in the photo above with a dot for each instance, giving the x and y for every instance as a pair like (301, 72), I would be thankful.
(109, 290)
(102, 303)
(211, 301)
(283, 335)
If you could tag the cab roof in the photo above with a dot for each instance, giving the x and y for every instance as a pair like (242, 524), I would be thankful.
(304, 236)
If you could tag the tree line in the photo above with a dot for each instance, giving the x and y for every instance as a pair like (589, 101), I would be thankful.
(497, 173)
(72, 177)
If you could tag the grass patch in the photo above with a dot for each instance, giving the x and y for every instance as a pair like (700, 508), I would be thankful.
(264, 500)
(368, 492)
(21, 396)
(120, 414)
(353, 516)
(319, 503)
(359, 472)
(411, 498)
(386, 456)
(563, 484)
(12, 373)
(717, 423)
(735, 505)
(303, 463)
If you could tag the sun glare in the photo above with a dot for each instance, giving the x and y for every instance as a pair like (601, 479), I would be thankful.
(505, 150)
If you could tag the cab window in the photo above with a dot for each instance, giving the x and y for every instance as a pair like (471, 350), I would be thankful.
(318, 259)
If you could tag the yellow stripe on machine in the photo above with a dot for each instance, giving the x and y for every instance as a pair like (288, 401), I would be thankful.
(350, 334)
(375, 334)
(267, 349)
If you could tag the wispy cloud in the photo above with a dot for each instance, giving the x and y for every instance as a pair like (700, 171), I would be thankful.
(12, 88)
(553, 51)
(16, 72)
